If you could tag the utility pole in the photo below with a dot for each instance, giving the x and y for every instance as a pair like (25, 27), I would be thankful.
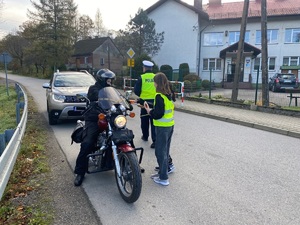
(264, 54)
(240, 52)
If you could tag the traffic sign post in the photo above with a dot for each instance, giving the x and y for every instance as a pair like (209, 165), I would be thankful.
(6, 58)
(130, 62)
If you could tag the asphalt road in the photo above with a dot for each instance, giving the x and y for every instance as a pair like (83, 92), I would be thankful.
(225, 174)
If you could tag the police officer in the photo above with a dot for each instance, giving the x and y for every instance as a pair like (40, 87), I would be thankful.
(104, 78)
(145, 89)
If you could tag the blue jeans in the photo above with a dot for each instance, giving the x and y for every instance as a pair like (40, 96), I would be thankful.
(162, 149)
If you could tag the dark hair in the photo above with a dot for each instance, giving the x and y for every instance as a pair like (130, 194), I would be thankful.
(162, 83)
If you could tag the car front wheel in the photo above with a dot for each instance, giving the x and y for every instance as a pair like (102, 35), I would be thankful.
(52, 121)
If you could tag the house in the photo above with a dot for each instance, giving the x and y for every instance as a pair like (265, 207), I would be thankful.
(94, 54)
(206, 37)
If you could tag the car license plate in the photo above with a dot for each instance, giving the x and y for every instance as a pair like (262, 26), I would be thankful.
(78, 108)
(287, 81)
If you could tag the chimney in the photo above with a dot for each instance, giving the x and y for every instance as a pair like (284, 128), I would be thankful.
(215, 2)
(198, 4)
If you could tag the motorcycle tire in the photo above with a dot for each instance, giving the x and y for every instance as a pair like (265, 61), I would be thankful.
(130, 181)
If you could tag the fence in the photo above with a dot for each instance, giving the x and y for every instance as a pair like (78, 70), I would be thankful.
(128, 83)
(10, 153)
(178, 88)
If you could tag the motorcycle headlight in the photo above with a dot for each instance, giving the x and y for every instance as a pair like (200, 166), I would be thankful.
(120, 121)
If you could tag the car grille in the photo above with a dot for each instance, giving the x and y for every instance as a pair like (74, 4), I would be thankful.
(70, 99)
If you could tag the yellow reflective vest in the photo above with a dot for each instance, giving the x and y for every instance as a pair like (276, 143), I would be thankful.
(168, 118)
(148, 89)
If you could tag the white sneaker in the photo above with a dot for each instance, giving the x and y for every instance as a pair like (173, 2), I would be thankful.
(161, 182)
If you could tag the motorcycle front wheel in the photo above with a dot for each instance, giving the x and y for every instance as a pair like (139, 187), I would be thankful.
(130, 181)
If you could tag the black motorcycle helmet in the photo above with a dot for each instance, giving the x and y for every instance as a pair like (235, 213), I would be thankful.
(103, 75)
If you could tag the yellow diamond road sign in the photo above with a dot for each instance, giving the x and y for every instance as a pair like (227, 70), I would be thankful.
(130, 52)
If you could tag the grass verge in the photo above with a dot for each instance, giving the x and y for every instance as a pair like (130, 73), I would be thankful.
(7, 108)
(23, 201)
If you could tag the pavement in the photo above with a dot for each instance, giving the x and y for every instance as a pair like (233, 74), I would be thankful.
(281, 124)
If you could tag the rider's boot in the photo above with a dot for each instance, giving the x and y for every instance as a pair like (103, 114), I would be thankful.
(78, 180)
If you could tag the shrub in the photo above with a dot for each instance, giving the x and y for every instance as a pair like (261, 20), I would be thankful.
(205, 84)
(191, 77)
(183, 70)
(167, 70)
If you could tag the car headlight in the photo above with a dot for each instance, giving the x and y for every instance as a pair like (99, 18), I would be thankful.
(120, 121)
(58, 97)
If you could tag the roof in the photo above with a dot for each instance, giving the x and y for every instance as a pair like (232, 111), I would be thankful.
(86, 47)
(234, 48)
(201, 13)
(232, 10)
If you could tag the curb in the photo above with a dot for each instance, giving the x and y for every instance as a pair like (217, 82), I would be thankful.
(243, 123)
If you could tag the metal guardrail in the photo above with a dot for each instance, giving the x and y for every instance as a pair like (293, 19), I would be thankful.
(10, 153)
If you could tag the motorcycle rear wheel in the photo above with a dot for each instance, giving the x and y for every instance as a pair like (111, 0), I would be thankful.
(130, 181)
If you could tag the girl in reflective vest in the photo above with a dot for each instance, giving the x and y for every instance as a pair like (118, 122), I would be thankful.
(163, 120)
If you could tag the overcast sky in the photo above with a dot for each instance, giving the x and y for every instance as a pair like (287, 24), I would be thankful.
(115, 13)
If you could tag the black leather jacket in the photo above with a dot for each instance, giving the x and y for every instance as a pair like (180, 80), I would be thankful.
(91, 114)
(92, 111)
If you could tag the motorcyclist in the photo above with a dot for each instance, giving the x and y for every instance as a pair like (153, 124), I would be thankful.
(104, 78)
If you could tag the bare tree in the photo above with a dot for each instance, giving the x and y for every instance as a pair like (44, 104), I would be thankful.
(240, 52)
(264, 54)
(99, 27)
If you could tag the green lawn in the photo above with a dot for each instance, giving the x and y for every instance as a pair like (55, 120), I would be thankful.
(7, 108)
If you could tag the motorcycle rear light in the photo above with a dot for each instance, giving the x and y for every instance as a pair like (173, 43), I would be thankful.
(101, 116)
(276, 80)
(132, 114)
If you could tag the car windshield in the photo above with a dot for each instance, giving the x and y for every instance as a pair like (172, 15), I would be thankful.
(73, 80)
(109, 96)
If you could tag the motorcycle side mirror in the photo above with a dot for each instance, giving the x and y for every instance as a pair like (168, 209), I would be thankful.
(128, 94)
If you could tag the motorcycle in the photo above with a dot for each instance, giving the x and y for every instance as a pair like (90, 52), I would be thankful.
(115, 149)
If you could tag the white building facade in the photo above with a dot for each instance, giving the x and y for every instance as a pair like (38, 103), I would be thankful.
(207, 40)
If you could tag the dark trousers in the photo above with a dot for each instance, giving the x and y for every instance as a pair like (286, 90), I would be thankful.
(86, 147)
(162, 149)
(146, 122)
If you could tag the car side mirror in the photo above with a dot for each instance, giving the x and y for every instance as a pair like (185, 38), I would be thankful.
(46, 85)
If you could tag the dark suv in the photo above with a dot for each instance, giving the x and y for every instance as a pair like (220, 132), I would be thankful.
(282, 81)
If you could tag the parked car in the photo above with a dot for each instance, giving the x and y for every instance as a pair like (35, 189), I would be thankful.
(282, 81)
(61, 91)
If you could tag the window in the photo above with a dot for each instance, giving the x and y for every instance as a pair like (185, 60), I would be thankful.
(257, 64)
(234, 36)
(86, 60)
(291, 61)
(272, 36)
(213, 39)
(271, 63)
(102, 61)
(292, 35)
(212, 64)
